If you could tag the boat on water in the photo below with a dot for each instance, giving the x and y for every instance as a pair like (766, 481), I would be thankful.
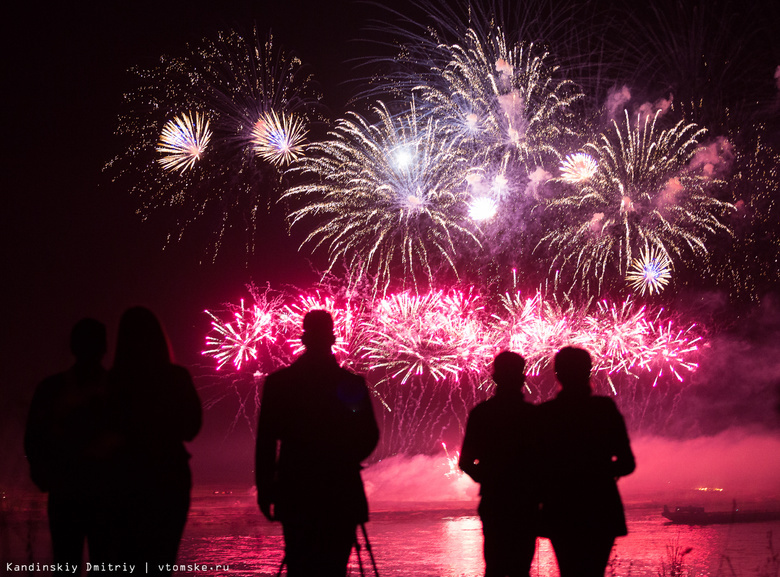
(698, 516)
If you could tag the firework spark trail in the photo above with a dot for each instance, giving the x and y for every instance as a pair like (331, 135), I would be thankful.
(428, 356)
(390, 198)
(453, 469)
(239, 387)
(618, 336)
(642, 194)
(754, 188)
(228, 84)
(621, 339)
(437, 334)
(534, 328)
(670, 349)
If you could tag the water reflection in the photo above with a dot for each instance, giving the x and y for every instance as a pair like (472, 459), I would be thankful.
(422, 541)
(441, 541)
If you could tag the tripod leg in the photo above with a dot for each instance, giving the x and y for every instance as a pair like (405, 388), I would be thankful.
(368, 547)
(360, 559)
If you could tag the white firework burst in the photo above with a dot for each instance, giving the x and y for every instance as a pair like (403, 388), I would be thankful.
(651, 271)
(578, 167)
(183, 141)
(279, 138)
(482, 209)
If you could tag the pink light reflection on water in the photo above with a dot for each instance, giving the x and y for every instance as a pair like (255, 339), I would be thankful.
(445, 540)
(413, 540)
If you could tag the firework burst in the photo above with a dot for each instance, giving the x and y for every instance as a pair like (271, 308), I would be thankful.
(183, 140)
(427, 356)
(238, 339)
(618, 337)
(650, 272)
(643, 193)
(436, 334)
(670, 350)
(502, 99)
(390, 198)
(249, 103)
(279, 139)
(482, 208)
(534, 327)
(578, 167)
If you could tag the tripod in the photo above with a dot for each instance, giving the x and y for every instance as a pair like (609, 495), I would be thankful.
(368, 548)
(357, 550)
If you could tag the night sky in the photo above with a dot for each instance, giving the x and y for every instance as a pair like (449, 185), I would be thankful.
(72, 245)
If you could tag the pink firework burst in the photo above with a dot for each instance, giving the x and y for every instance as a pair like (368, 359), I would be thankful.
(535, 328)
(437, 334)
(671, 350)
(237, 340)
(618, 335)
(345, 323)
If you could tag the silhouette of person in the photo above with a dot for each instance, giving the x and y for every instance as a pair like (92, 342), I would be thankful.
(155, 408)
(64, 441)
(316, 426)
(500, 453)
(586, 448)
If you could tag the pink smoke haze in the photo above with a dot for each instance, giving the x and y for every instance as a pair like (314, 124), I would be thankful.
(536, 179)
(648, 110)
(737, 464)
(616, 100)
(669, 194)
(420, 479)
(714, 159)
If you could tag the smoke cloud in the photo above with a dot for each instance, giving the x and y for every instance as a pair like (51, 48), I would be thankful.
(648, 110)
(536, 179)
(714, 159)
(671, 191)
(421, 478)
(616, 100)
(736, 464)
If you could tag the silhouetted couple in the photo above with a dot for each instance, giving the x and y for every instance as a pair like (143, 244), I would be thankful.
(549, 470)
(316, 426)
(108, 447)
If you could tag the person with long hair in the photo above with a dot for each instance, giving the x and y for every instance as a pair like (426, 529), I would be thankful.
(156, 409)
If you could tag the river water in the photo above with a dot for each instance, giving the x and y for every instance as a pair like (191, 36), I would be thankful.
(227, 536)
(445, 540)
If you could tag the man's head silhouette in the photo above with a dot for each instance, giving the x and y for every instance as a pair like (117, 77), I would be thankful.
(572, 367)
(88, 341)
(508, 369)
(318, 331)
